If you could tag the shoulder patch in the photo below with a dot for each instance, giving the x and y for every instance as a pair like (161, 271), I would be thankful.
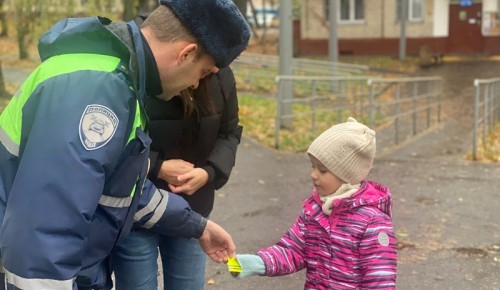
(97, 126)
(383, 239)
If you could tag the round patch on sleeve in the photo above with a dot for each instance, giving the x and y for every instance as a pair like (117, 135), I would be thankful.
(383, 239)
(97, 126)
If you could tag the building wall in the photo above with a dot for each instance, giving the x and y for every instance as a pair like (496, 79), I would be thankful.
(315, 26)
(379, 33)
(441, 18)
(419, 28)
(364, 46)
(380, 21)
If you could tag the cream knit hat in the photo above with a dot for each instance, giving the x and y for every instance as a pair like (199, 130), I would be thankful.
(346, 149)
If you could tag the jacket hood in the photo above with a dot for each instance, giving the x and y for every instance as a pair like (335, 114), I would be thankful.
(370, 193)
(86, 35)
(97, 35)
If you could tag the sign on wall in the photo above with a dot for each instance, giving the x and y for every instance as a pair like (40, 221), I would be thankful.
(491, 23)
(465, 2)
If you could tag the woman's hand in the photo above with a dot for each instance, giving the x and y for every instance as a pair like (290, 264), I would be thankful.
(171, 169)
(190, 182)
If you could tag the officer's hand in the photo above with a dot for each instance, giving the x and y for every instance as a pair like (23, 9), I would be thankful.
(217, 243)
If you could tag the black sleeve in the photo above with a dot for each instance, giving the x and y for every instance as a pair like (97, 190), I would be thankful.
(155, 165)
(223, 155)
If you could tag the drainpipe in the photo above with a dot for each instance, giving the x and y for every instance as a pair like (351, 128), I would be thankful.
(402, 22)
(332, 40)
(285, 55)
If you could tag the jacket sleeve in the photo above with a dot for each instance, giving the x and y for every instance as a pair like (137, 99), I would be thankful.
(155, 165)
(61, 174)
(168, 214)
(287, 256)
(378, 254)
(223, 155)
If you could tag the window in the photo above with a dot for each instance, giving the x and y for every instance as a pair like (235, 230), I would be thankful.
(349, 10)
(415, 9)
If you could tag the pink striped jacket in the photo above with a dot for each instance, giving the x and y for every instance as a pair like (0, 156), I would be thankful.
(353, 248)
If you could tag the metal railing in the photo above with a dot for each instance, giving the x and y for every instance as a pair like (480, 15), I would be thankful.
(410, 105)
(256, 72)
(486, 110)
(303, 65)
(407, 104)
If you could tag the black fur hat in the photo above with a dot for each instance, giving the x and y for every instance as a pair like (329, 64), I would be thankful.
(217, 24)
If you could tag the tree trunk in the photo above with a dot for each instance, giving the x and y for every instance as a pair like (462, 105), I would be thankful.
(147, 6)
(129, 10)
(3, 21)
(26, 19)
(3, 91)
(22, 44)
(242, 5)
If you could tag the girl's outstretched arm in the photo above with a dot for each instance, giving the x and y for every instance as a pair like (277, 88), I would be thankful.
(287, 256)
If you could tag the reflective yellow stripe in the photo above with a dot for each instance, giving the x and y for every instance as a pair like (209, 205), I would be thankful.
(119, 202)
(42, 284)
(8, 143)
(139, 122)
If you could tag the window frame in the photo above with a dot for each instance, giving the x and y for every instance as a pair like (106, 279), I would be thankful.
(410, 16)
(352, 9)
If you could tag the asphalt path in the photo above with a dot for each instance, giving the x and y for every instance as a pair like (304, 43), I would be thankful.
(14, 75)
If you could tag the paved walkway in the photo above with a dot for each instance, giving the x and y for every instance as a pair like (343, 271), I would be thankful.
(16, 76)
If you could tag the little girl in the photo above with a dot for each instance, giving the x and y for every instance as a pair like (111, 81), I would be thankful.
(344, 236)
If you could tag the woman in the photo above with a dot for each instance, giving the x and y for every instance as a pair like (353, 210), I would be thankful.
(195, 137)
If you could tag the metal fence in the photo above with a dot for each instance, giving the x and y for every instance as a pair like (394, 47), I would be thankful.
(256, 72)
(398, 107)
(410, 105)
(486, 110)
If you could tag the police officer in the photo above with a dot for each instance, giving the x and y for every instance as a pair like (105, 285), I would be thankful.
(74, 145)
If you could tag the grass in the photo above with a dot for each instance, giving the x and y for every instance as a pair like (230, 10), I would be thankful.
(409, 64)
(258, 117)
(490, 151)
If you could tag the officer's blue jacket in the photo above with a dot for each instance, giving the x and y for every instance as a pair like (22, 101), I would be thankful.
(73, 160)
